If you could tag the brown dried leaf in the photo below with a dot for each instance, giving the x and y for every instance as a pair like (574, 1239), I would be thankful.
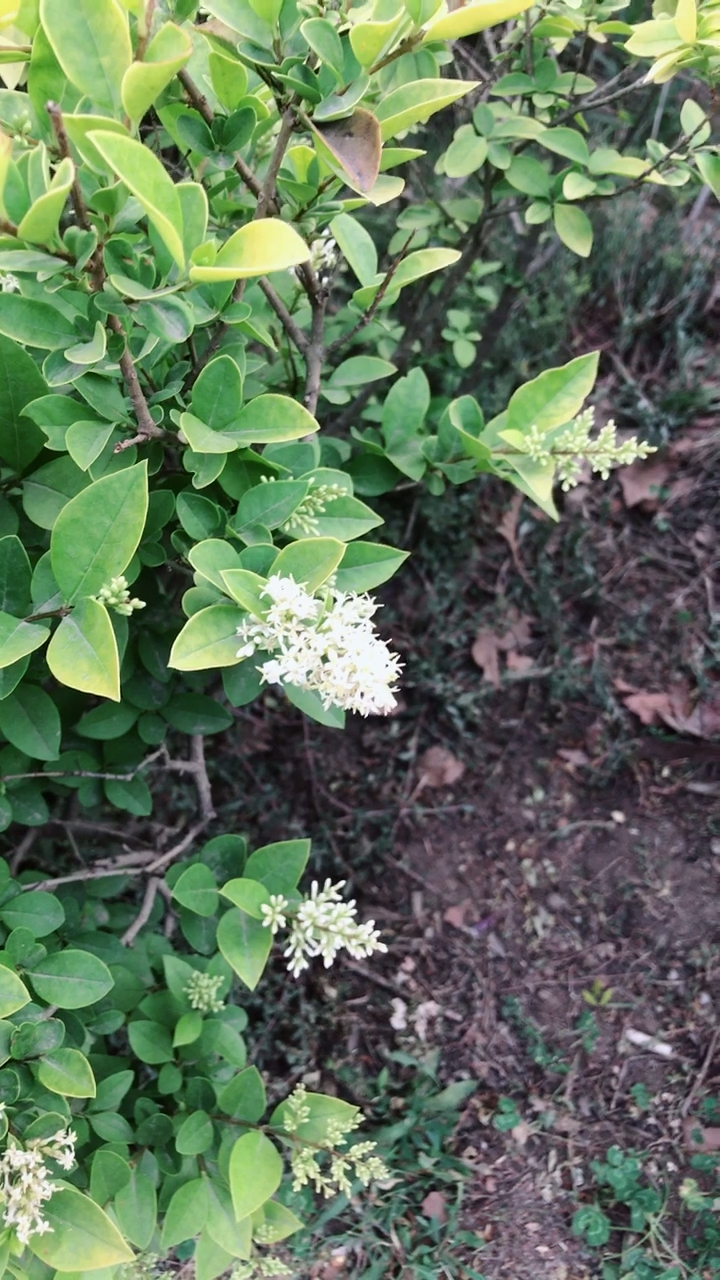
(649, 707)
(456, 915)
(518, 661)
(641, 482)
(485, 655)
(438, 767)
(355, 145)
(518, 634)
(433, 1206)
(573, 757)
(674, 710)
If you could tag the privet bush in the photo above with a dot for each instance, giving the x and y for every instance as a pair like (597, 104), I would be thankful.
(186, 291)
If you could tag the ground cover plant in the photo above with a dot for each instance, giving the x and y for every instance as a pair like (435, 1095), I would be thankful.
(177, 534)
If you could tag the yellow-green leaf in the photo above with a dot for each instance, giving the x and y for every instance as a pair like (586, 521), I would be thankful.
(143, 82)
(14, 994)
(80, 1231)
(91, 41)
(686, 20)
(370, 40)
(145, 177)
(40, 223)
(208, 639)
(83, 652)
(574, 228)
(414, 103)
(77, 128)
(255, 250)
(470, 18)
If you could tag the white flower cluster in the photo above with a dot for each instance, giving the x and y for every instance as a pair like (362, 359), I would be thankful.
(575, 446)
(324, 253)
(304, 517)
(202, 990)
(330, 646)
(321, 925)
(25, 1182)
(115, 594)
(8, 282)
(358, 1161)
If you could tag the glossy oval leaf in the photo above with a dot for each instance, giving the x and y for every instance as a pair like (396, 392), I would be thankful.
(470, 18)
(143, 174)
(67, 1071)
(245, 943)
(83, 652)
(18, 638)
(40, 223)
(255, 250)
(143, 82)
(254, 1174)
(97, 533)
(79, 1229)
(14, 994)
(209, 639)
(71, 979)
(31, 722)
(269, 419)
(414, 103)
(92, 45)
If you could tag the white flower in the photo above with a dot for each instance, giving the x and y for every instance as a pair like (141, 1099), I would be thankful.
(8, 282)
(330, 647)
(115, 594)
(322, 925)
(273, 912)
(25, 1181)
(202, 990)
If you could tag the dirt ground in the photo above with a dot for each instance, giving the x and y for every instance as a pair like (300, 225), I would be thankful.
(538, 831)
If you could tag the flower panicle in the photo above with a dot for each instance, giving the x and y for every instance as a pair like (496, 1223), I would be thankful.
(26, 1182)
(575, 445)
(329, 646)
(322, 924)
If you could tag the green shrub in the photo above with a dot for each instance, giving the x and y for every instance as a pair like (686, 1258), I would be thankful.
(175, 533)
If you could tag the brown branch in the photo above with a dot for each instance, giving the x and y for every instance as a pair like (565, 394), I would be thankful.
(266, 197)
(147, 428)
(63, 144)
(202, 782)
(201, 104)
(372, 309)
(315, 351)
(143, 915)
(144, 34)
(293, 330)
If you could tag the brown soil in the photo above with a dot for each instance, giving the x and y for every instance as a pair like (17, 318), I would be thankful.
(563, 889)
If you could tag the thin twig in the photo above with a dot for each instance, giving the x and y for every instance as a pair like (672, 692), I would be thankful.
(143, 915)
(56, 120)
(293, 330)
(372, 309)
(707, 1063)
(202, 782)
(266, 195)
(147, 428)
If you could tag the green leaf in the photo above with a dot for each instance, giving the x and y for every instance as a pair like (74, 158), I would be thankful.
(197, 890)
(269, 504)
(254, 1174)
(310, 561)
(210, 557)
(466, 153)
(20, 383)
(133, 795)
(93, 50)
(357, 246)
(311, 704)
(369, 40)
(83, 652)
(15, 576)
(40, 223)
(324, 1112)
(574, 228)
(529, 176)
(357, 371)
(14, 994)
(245, 943)
(246, 588)
(48, 489)
(270, 418)
(244, 1097)
(555, 397)
(413, 104)
(473, 17)
(195, 1134)
(79, 1229)
(85, 441)
(218, 393)
(256, 249)
(345, 519)
(39, 912)
(566, 142)
(416, 265)
(108, 1174)
(186, 1213)
(144, 81)
(276, 1222)
(324, 40)
(67, 1071)
(249, 895)
(35, 324)
(404, 411)
(188, 1028)
(143, 175)
(196, 713)
(150, 1042)
(18, 638)
(136, 1209)
(279, 866)
(30, 720)
(71, 979)
(365, 565)
(709, 169)
(98, 531)
(209, 639)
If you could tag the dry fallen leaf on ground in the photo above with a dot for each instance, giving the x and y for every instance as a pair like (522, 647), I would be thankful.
(485, 654)
(701, 1137)
(674, 710)
(488, 646)
(456, 915)
(642, 481)
(433, 1206)
(518, 661)
(438, 767)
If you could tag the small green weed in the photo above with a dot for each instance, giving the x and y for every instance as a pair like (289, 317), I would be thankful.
(410, 1225)
(652, 1248)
